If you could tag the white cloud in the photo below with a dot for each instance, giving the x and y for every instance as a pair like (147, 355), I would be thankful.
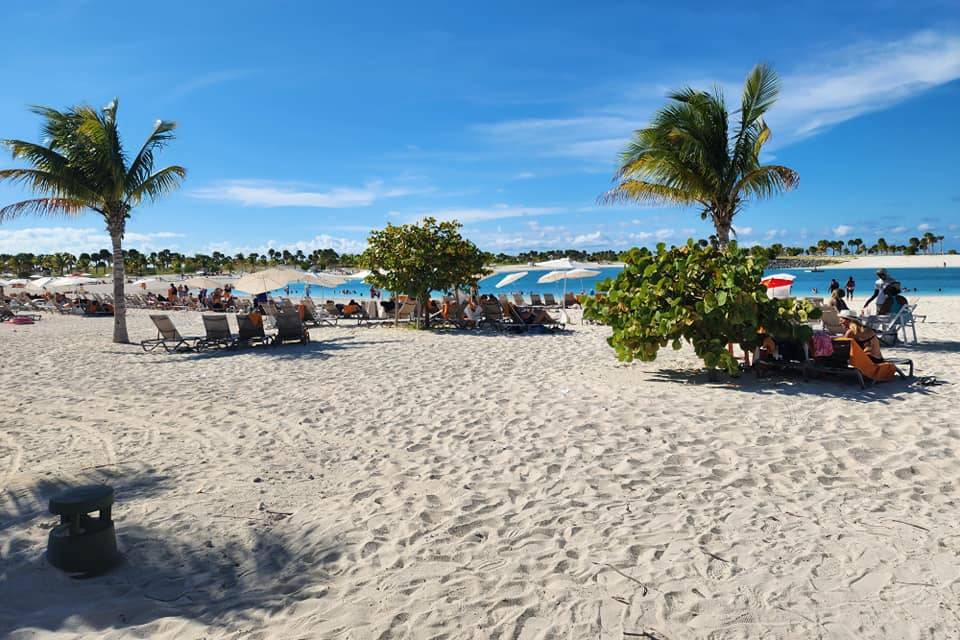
(744, 231)
(899, 229)
(525, 175)
(205, 80)
(42, 240)
(842, 230)
(482, 214)
(770, 234)
(257, 193)
(924, 227)
(322, 241)
(827, 90)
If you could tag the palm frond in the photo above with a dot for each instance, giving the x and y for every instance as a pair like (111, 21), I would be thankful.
(640, 190)
(37, 155)
(55, 184)
(759, 93)
(157, 185)
(766, 181)
(42, 207)
(142, 164)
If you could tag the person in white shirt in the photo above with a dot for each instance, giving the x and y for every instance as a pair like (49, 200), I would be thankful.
(883, 279)
(473, 312)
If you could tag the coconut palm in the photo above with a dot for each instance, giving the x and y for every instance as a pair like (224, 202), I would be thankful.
(82, 165)
(689, 154)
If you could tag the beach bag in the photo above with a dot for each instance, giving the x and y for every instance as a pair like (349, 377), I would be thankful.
(822, 345)
(20, 320)
(840, 356)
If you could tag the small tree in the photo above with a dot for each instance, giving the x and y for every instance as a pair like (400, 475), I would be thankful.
(707, 296)
(415, 259)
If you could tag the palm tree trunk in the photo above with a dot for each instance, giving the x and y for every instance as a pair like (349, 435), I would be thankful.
(723, 232)
(119, 303)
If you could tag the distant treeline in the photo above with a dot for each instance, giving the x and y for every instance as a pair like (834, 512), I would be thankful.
(167, 261)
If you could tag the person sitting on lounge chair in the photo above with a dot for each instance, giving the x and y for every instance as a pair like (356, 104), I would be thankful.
(864, 336)
(350, 308)
(473, 312)
(836, 300)
(529, 316)
(215, 301)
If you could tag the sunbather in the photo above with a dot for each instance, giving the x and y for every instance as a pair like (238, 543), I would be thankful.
(864, 336)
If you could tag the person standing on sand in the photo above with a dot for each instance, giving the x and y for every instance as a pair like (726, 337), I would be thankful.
(883, 279)
(851, 286)
(834, 285)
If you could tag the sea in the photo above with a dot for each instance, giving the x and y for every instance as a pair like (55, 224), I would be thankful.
(915, 282)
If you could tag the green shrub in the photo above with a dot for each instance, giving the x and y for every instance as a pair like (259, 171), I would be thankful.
(703, 295)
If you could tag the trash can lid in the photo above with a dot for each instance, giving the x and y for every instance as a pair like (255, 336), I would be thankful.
(83, 499)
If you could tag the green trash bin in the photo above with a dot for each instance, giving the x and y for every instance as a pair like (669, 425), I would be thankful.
(81, 543)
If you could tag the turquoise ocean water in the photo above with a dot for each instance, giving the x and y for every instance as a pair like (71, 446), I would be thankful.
(927, 282)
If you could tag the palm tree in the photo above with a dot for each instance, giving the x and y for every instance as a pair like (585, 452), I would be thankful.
(83, 166)
(688, 154)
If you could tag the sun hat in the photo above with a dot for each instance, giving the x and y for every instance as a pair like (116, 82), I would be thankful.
(847, 314)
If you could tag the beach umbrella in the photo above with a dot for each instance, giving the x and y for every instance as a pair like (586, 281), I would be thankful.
(565, 264)
(204, 282)
(39, 284)
(14, 282)
(778, 285)
(359, 275)
(266, 280)
(778, 280)
(329, 280)
(510, 279)
(68, 283)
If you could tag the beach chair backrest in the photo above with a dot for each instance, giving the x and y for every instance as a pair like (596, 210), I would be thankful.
(492, 311)
(165, 328)
(216, 327)
(371, 309)
(535, 300)
(570, 300)
(502, 298)
(249, 326)
(518, 299)
(331, 308)
(831, 320)
(549, 299)
(289, 326)
(406, 310)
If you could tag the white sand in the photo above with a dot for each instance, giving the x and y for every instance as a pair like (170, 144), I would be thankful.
(897, 262)
(384, 483)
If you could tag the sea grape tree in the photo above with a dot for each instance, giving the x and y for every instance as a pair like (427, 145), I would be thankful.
(706, 296)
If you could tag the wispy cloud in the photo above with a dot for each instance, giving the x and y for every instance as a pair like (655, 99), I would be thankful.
(78, 240)
(483, 214)
(825, 91)
(258, 193)
(842, 229)
(206, 80)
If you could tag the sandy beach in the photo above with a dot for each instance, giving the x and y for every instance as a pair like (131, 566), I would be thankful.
(382, 483)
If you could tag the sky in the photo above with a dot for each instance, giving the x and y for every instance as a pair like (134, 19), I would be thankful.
(305, 125)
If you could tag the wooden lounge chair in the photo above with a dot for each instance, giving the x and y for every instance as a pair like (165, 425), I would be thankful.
(570, 300)
(518, 300)
(535, 300)
(168, 338)
(550, 301)
(493, 315)
(218, 333)
(6, 313)
(290, 328)
(503, 299)
(250, 330)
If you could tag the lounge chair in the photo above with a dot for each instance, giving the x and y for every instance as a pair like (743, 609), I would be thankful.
(313, 316)
(6, 313)
(831, 321)
(518, 300)
(535, 300)
(852, 362)
(168, 338)
(890, 327)
(290, 328)
(570, 300)
(250, 330)
(550, 301)
(516, 319)
(218, 335)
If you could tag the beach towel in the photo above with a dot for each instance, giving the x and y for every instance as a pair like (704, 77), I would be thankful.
(877, 371)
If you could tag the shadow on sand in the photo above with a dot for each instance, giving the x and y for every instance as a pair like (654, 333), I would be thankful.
(173, 575)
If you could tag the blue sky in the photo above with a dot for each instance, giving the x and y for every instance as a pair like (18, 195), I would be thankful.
(307, 124)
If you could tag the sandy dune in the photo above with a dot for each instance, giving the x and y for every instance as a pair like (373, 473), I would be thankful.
(384, 483)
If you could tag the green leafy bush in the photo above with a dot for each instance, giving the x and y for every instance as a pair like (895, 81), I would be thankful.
(703, 295)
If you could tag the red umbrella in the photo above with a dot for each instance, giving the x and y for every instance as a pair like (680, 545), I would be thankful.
(778, 280)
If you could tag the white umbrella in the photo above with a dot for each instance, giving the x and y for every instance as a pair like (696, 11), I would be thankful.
(513, 277)
(68, 283)
(563, 263)
(322, 279)
(15, 282)
(553, 276)
(582, 273)
(266, 280)
(39, 284)
(556, 276)
(359, 275)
